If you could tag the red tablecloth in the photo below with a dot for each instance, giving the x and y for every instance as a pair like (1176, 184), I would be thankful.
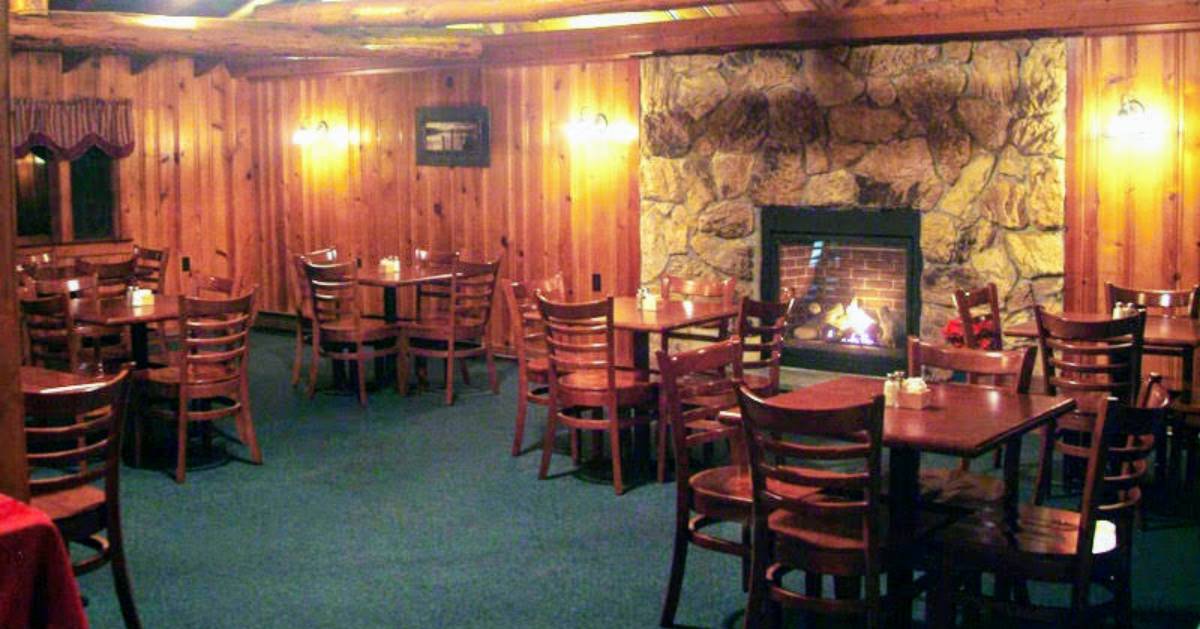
(37, 586)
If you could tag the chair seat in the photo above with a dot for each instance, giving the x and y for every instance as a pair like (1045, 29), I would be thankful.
(343, 330)
(840, 533)
(597, 380)
(438, 328)
(538, 364)
(961, 488)
(729, 486)
(61, 505)
(1040, 533)
(171, 375)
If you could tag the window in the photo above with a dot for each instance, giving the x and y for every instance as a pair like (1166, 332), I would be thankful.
(66, 201)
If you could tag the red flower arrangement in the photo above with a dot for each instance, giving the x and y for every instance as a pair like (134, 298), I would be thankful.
(952, 332)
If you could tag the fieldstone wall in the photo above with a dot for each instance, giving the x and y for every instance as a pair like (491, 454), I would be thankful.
(969, 134)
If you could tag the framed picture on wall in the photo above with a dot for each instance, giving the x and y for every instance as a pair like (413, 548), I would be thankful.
(453, 136)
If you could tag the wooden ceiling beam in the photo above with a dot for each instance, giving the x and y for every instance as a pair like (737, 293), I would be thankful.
(157, 34)
(443, 12)
(940, 19)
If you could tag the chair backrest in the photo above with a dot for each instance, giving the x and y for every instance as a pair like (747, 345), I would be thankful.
(472, 287)
(332, 291)
(720, 291)
(326, 255)
(528, 333)
(151, 267)
(204, 285)
(215, 345)
(988, 298)
(49, 330)
(53, 272)
(76, 287)
(761, 326)
(1012, 369)
(114, 277)
(683, 400)
(27, 264)
(427, 256)
(579, 337)
(73, 437)
(791, 448)
(1091, 360)
(1171, 303)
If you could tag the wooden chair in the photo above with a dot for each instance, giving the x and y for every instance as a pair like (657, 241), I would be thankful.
(114, 277)
(1089, 361)
(989, 298)
(214, 286)
(678, 288)
(432, 291)
(303, 308)
(73, 440)
(461, 330)
(208, 379)
(811, 517)
(1077, 548)
(151, 267)
(340, 331)
(529, 342)
(584, 376)
(765, 321)
(107, 344)
(49, 336)
(1011, 370)
(713, 496)
(27, 265)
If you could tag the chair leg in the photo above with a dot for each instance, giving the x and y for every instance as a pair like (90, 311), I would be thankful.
(246, 424)
(758, 582)
(663, 434)
(138, 428)
(298, 359)
(614, 443)
(360, 364)
(942, 612)
(522, 410)
(574, 439)
(450, 375)
(675, 581)
(1045, 472)
(402, 366)
(466, 373)
(548, 442)
(312, 370)
(491, 368)
(181, 423)
(124, 587)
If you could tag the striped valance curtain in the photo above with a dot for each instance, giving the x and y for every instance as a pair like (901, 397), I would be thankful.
(67, 129)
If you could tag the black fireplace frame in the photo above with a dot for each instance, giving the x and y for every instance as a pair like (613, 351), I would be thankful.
(784, 225)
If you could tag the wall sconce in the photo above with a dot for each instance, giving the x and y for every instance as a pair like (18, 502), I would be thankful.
(587, 127)
(1131, 120)
(305, 136)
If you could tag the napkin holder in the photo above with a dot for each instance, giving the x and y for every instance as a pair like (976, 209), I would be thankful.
(141, 297)
(914, 401)
(390, 266)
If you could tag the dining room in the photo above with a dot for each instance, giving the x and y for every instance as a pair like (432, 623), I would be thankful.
(594, 313)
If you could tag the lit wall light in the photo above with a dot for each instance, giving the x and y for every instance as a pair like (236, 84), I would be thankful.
(589, 127)
(305, 136)
(1137, 125)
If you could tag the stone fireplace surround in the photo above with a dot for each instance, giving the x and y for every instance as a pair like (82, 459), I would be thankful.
(971, 135)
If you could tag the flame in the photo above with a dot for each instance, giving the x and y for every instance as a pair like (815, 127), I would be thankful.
(859, 323)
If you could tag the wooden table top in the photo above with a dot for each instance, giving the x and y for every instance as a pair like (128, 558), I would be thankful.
(42, 380)
(409, 275)
(1160, 330)
(669, 315)
(113, 312)
(963, 420)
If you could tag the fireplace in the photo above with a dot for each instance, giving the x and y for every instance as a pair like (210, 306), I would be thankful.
(855, 275)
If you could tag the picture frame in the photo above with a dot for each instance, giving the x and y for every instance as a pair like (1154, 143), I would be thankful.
(453, 136)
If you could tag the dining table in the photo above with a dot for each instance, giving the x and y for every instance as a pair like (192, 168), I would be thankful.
(391, 282)
(35, 380)
(961, 420)
(37, 582)
(664, 317)
(121, 311)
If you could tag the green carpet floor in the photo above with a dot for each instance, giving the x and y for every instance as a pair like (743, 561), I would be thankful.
(412, 514)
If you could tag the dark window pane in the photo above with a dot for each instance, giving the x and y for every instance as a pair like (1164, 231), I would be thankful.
(34, 212)
(92, 196)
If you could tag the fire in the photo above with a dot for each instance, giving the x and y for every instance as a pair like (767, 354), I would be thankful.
(857, 325)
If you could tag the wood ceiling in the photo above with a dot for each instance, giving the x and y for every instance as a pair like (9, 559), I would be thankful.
(284, 37)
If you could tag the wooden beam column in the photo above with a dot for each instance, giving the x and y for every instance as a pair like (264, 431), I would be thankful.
(14, 478)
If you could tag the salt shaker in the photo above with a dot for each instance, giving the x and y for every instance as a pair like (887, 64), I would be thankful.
(1118, 310)
(891, 390)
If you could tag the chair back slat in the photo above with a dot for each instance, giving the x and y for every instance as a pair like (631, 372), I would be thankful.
(579, 337)
(1170, 303)
(215, 338)
(114, 277)
(333, 290)
(151, 267)
(49, 333)
(675, 288)
(1011, 369)
(204, 285)
(787, 446)
(75, 286)
(527, 332)
(761, 325)
(73, 435)
(472, 287)
(987, 298)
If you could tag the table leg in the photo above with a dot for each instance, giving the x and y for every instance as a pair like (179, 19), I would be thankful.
(140, 338)
(385, 367)
(904, 467)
